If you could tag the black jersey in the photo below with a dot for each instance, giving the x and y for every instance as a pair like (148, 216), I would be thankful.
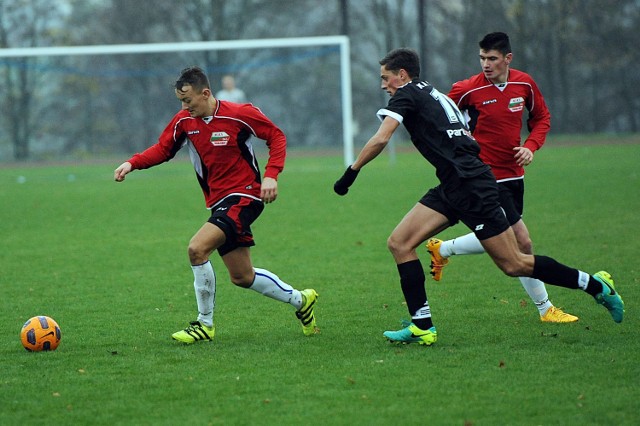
(438, 130)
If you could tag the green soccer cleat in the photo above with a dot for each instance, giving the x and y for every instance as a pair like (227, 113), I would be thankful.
(196, 332)
(305, 313)
(412, 334)
(609, 297)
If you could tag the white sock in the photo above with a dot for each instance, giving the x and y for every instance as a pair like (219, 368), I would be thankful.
(466, 244)
(583, 280)
(268, 284)
(537, 292)
(423, 312)
(204, 284)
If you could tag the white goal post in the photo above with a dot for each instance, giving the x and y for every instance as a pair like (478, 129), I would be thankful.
(341, 41)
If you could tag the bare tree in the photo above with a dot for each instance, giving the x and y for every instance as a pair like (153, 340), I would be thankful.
(581, 52)
(22, 26)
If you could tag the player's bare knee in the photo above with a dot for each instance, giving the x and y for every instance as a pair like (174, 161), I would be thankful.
(241, 279)
(394, 246)
(197, 256)
(526, 246)
(510, 269)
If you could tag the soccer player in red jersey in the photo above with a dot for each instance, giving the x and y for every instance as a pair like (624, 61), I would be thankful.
(217, 134)
(494, 102)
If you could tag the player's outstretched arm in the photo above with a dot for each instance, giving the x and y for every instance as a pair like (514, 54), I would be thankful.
(371, 150)
(122, 170)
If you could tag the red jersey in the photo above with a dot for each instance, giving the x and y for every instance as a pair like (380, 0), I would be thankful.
(494, 114)
(220, 149)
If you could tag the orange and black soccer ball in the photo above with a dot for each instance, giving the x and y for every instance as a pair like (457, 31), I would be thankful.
(40, 333)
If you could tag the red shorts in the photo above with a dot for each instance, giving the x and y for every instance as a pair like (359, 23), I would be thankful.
(234, 216)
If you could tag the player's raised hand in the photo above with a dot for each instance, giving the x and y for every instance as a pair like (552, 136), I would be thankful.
(341, 187)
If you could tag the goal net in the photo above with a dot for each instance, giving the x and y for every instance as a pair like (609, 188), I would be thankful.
(90, 101)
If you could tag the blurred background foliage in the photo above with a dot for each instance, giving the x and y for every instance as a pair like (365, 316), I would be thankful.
(582, 54)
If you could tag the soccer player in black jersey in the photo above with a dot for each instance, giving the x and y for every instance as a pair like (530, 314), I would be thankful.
(467, 192)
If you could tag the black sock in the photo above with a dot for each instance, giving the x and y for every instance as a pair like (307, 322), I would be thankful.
(412, 282)
(594, 287)
(553, 272)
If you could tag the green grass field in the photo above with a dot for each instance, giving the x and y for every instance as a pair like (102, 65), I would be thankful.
(108, 262)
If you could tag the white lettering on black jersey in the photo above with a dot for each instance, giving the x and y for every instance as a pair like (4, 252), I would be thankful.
(438, 130)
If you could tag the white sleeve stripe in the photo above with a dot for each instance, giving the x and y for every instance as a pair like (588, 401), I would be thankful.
(382, 112)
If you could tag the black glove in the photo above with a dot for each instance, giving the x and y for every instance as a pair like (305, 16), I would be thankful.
(342, 185)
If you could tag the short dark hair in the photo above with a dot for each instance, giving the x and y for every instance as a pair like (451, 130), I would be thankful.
(496, 41)
(194, 77)
(402, 58)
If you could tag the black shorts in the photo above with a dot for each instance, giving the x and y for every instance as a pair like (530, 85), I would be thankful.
(474, 202)
(512, 199)
(234, 216)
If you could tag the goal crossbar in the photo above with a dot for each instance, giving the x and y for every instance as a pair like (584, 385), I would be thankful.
(117, 49)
